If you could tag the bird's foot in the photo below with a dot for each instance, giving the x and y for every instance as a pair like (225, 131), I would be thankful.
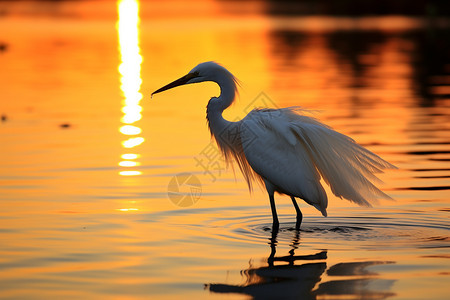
(298, 223)
(275, 225)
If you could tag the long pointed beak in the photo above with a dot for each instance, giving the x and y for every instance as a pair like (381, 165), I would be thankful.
(178, 82)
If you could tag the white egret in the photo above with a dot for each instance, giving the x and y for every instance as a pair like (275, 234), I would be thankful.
(286, 150)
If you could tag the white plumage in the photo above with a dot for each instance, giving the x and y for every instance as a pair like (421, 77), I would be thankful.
(287, 150)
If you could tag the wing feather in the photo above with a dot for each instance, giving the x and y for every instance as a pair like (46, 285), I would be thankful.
(293, 151)
(346, 167)
(275, 153)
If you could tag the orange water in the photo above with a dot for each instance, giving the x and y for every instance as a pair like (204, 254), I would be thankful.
(89, 159)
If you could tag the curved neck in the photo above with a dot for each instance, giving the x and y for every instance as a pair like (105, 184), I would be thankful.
(227, 92)
(217, 105)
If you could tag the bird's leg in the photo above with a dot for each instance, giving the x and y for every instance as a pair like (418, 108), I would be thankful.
(299, 214)
(275, 224)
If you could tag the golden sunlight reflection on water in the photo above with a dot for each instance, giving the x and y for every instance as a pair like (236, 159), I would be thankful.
(130, 71)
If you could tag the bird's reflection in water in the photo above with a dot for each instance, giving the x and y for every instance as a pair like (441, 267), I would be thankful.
(286, 278)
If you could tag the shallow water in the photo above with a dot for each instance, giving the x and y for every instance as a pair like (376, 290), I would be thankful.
(92, 209)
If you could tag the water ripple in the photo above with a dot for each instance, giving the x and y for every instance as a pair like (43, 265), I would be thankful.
(406, 229)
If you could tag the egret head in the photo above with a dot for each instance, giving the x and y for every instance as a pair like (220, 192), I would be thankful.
(207, 71)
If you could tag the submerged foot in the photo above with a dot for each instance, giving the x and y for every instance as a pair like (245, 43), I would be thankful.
(275, 225)
(297, 224)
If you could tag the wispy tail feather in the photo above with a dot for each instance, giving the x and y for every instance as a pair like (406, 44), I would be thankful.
(346, 167)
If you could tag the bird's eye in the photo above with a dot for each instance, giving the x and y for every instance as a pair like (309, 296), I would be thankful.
(196, 73)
